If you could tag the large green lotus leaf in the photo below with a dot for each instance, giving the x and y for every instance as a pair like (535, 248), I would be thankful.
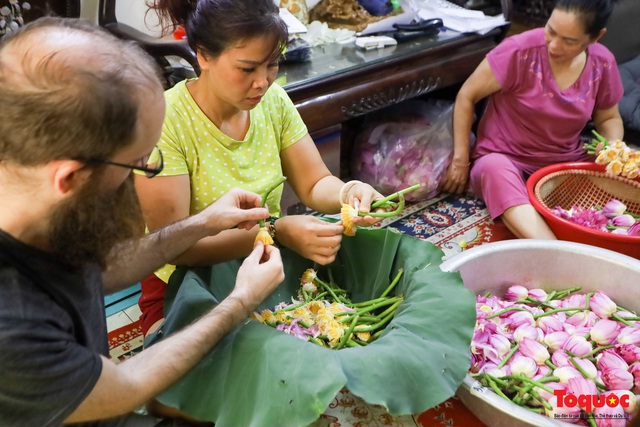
(258, 376)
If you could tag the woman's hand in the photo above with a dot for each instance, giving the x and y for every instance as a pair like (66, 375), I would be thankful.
(311, 237)
(455, 180)
(365, 194)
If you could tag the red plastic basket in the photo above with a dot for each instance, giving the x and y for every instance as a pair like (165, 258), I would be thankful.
(587, 185)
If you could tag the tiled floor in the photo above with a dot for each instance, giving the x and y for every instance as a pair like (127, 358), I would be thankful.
(123, 318)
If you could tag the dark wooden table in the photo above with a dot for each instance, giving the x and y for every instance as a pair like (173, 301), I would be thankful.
(342, 82)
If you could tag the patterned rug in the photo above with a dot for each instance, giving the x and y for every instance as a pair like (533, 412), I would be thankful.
(454, 223)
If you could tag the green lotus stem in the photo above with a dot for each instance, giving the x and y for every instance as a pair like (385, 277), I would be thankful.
(293, 307)
(328, 289)
(599, 137)
(550, 364)
(596, 350)
(348, 319)
(497, 380)
(506, 310)
(562, 294)
(508, 356)
(591, 420)
(303, 324)
(304, 295)
(495, 388)
(320, 295)
(390, 310)
(585, 374)
(352, 343)
(315, 341)
(633, 319)
(620, 319)
(558, 310)
(533, 301)
(393, 284)
(381, 203)
(348, 332)
(381, 323)
(550, 296)
(378, 305)
(587, 299)
(385, 214)
(365, 303)
(266, 194)
(530, 381)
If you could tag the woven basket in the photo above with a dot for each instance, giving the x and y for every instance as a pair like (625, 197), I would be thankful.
(586, 185)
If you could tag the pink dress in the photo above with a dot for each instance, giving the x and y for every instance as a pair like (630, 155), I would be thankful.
(530, 123)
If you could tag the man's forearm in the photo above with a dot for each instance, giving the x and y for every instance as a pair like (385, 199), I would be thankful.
(134, 260)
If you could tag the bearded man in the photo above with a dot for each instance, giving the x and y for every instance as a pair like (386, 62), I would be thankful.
(82, 109)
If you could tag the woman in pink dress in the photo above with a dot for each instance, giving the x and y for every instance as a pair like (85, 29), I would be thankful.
(543, 85)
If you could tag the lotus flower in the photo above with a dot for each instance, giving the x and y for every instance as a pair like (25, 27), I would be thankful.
(604, 332)
(614, 208)
(523, 365)
(616, 378)
(516, 293)
(534, 350)
(602, 305)
(608, 416)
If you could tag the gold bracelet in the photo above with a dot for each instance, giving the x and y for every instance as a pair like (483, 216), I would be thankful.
(271, 229)
(347, 186)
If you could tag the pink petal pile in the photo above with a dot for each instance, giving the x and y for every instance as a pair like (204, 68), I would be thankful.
(613, 218)
(573, 357)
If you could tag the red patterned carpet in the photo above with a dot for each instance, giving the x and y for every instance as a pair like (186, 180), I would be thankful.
(451, 222)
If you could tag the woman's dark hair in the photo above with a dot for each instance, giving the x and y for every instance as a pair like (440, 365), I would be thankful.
(594, 13)
(214, 25)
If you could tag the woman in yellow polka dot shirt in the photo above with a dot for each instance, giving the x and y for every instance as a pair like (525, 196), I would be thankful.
(232, 127)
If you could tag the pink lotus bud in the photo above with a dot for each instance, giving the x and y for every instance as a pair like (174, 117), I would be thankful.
(493, 370)
(543, 371)
(610, 359)
(549, 324)
(629, 403)
(575, 300)
(501, 344)
(625, 220)
(629, 335)
(556, 340)
(559, 358)
(520, 318)
(634, 230)
(629, 352)
(516, 293)
(581, 386)
(523, 365)
(614, 208)
(538, 294)
(578, 345)
(582, 319)
(635, 371)
(617, 379)
(566, 372)
(534, 350)
(525, 331)
(620, 231)
(607, 416)
(587, 366)
(602, 305)
(604, 332)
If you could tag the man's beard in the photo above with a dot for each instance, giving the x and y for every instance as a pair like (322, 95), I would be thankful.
(85, 228)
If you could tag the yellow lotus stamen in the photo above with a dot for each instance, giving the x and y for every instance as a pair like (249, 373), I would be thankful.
(264, 237)
(347, 213)
(615, 167)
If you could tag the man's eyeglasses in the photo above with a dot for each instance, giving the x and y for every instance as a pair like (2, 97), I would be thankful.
(153, 163)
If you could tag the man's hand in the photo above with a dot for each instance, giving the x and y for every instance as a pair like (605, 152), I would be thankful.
(237, 207)
(260, 273)
(455, 179)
